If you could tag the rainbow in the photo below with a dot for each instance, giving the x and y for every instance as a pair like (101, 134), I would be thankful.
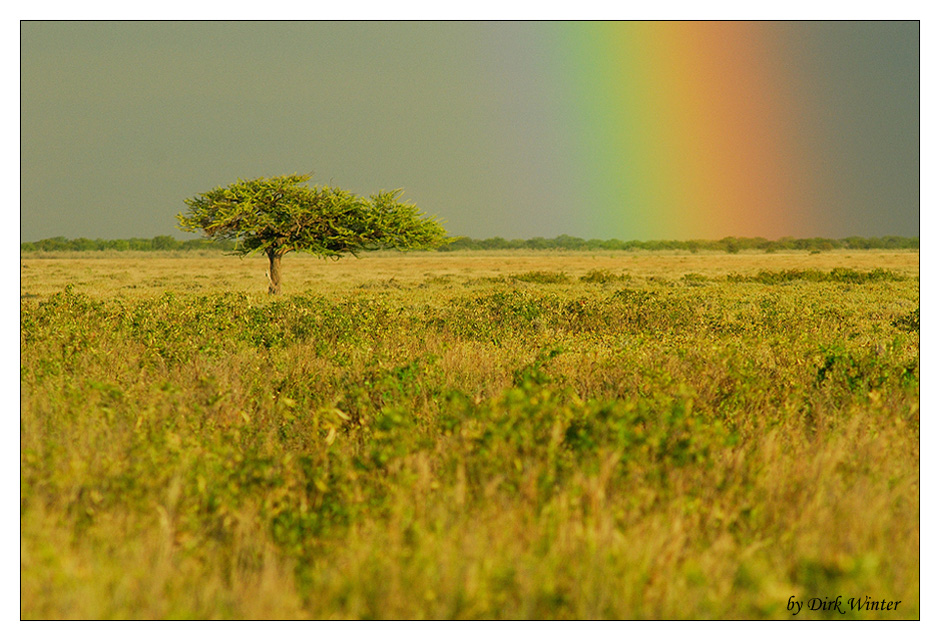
(687, 129)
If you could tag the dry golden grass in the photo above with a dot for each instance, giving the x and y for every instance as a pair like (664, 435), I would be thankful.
(461, 436)
(146, 273)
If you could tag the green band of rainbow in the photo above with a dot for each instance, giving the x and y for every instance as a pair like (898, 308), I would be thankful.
(686, 129)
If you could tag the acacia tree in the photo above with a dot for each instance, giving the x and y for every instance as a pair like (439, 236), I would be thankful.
(282, 214)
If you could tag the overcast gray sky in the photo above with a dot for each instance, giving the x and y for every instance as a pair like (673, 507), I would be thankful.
(122, 121)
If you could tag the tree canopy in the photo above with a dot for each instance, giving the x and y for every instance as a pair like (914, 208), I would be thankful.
(282, 214)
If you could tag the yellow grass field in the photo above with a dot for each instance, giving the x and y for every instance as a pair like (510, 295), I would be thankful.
(471, 435)
(145, 273)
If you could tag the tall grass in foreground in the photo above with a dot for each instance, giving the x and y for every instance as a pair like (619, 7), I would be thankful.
(532, 448)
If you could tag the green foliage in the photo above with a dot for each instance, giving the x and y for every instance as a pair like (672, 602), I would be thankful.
(729, 244)
(281, 214)
(603, 276)
(157, 243)
(563, 242)
(837, 275)
(540, 277)
(521, 450)
(909, 322)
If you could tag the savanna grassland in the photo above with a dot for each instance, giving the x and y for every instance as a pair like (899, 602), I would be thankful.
(522, 435)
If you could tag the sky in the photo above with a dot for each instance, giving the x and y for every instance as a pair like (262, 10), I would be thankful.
(628, 130)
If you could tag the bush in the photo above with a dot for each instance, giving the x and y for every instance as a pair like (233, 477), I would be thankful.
(540, 277)
(603, 276)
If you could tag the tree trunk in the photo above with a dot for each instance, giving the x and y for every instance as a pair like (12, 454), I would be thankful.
(274, 273)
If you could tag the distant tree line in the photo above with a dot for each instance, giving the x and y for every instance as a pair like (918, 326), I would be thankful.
(564, 242)
(157, 243)
(728, 244)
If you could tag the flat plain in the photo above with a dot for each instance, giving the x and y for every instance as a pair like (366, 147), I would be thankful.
(496, 435)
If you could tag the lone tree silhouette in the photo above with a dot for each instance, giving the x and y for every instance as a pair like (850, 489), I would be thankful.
(281, 214)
